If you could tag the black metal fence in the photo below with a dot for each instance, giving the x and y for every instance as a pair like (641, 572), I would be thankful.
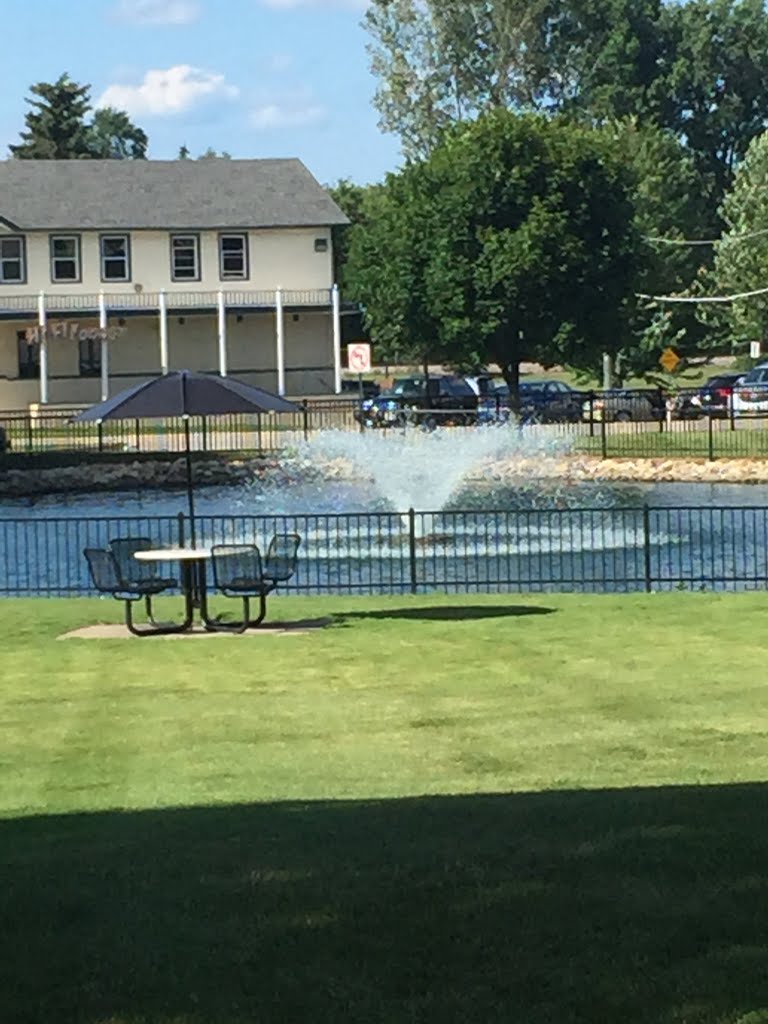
(590, 550)
(595, 427)
(55, 431)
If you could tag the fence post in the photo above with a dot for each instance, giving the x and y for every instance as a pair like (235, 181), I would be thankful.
(180, 528)
(603, 438)
(100, 430)
(305, 418)
(412, 549)
(711, 436)
(30, 437)
(138, 435)
(204, 432)
(647, 549)
(591, 413)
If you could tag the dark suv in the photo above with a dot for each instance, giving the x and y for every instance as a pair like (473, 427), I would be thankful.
(422, 401)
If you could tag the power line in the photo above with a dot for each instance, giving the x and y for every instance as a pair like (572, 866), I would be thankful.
(707, 241)
(702, 298)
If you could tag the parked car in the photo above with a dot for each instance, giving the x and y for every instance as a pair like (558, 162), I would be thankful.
(624, 405)
(350, 387)
(550, 401)
(5, 441)
(750, 395)
(541, 401)
(422, 401)
(712, 399)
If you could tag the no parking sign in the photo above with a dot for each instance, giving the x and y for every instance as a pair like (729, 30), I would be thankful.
(359, 357)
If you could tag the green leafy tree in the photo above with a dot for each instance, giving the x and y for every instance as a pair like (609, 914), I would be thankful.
(712, 91)
(741, 256)
(669, 209)
(351, 199)
(696, 68)
(441, 62)
(212, 154)
(113, 136)
(515, 241)
(55, 126)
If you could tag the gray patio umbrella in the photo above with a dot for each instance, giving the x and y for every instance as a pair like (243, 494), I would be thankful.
(184, 393)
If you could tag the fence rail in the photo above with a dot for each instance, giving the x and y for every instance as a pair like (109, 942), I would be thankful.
(708, 437)
(593, 550)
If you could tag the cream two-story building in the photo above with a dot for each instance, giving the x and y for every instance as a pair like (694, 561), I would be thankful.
(115, 271)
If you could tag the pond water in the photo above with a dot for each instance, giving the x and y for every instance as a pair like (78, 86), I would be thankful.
(358, 535)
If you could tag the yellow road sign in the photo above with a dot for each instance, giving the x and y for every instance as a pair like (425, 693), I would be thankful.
(669, 360)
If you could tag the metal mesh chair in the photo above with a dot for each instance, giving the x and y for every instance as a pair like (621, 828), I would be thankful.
(124, 549)
(238, 572)
(107, 579)
(280, 563)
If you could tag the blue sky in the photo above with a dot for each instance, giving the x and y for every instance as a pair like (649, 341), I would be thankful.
(257, 78)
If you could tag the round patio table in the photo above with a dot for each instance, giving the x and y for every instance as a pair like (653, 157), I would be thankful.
(193, 575)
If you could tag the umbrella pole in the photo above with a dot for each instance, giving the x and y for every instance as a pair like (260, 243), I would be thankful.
(190, 488)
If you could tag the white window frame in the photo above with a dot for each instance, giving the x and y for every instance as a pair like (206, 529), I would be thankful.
(21, 259)
(195, 247)
(69, 259)
(224, 274)
(104, 258)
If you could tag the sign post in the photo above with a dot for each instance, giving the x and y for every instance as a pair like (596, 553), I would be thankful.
(359, 361)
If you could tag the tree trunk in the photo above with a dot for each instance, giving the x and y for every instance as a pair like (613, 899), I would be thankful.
(511, 374)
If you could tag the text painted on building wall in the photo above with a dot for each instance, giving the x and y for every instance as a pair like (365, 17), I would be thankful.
(68, 329)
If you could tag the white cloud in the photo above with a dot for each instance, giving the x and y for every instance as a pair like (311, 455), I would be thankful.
(284, 112)
(158, 12)
(170, 91)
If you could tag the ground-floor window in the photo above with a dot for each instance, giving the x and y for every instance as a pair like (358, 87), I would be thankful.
(90, 357)
(29, 356)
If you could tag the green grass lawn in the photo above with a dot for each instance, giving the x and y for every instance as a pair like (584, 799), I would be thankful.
(471, 809)
(634, 441)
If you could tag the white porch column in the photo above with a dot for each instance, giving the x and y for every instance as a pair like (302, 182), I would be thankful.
(42, 323)
(222, 335)
(104, 348)
(336, 305)
(163, 332)
(280, 331)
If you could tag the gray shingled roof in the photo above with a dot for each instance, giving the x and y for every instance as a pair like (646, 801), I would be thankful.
(134, 194)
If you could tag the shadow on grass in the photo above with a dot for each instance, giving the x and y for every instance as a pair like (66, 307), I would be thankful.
(632, 906)
(448, 613)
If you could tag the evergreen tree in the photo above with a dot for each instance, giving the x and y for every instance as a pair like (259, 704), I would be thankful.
(56, 128)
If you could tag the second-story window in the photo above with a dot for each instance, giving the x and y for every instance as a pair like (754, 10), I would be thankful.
(233, 257)
(185, 257)
(12, 262)
(115, 258)
(65, 258)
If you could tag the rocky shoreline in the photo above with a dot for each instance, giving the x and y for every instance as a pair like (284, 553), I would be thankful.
(223, 471)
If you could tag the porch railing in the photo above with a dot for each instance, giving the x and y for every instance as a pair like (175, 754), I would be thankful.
(128, 301)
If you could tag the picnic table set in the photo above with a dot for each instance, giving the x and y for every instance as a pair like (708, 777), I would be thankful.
(129, 568)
